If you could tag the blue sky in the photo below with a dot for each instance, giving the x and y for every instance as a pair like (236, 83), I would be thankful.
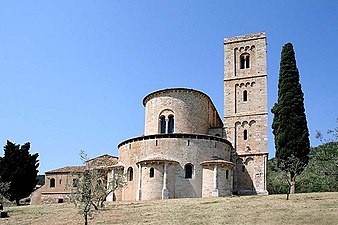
(74, 73)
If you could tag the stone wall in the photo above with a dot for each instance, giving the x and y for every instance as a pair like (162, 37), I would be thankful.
(192, 149)
(193, 111)
(245, 109)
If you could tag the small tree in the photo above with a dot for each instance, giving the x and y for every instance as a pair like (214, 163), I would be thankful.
(289, 122)
(328, 153)
(91, 193)
(4, 187)
(19, 168)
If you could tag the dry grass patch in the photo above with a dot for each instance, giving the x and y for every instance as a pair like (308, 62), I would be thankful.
(313, 208)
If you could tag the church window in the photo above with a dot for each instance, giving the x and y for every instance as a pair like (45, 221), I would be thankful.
(245, 61)
(243, 168)
(52, 183)
(227, 174)
(245, 95)
(245, 135)
(171, 124)
(130, 174)
(163, 125)
(188, 171)
(151, 172)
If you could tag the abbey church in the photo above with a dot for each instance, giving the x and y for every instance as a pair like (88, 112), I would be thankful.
(188, 150)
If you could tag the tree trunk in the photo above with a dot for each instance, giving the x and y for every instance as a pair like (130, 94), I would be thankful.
(86, 218)
(293, 184)
(17, 201)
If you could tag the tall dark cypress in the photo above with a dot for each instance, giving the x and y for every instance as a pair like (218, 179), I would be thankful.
(20, 168)
(289, 122)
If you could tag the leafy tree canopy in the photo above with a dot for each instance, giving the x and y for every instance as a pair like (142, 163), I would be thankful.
(19, 168)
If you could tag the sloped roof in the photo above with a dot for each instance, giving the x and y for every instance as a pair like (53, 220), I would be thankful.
(68, 169)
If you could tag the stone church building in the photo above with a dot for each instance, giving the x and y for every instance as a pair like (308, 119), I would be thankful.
(187, 149)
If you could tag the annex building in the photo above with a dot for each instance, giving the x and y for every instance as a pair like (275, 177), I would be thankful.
(188, 150)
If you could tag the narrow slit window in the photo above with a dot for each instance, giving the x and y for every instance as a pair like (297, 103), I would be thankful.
(171, 124)
(151, 172)
(245, 95)
(245, 135)
(130, 174)
(247, 61)
(163, 125)
(227, 174)
(242, 62)
(243, 168)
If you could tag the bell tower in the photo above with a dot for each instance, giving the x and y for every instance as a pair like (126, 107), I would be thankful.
(245, 110)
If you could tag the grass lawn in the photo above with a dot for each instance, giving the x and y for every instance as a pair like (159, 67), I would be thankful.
(312, 208)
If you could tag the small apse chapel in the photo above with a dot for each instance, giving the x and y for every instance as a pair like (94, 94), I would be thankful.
(187, 149)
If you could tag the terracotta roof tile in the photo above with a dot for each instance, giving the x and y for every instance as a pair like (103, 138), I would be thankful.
(68, 169)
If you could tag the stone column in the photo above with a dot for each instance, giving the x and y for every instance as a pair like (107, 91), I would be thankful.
(215, 190)
(138, 192)
(165, 191)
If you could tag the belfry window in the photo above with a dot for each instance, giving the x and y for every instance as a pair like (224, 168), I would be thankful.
(163, 125)
(52, 183)
(245, 95)
(245, 61)
(151, 172)
(188, 171)
(245, 135)
(130, 174)
(171, 124)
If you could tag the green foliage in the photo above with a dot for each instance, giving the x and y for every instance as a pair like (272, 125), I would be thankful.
(289, 122)
(320, 175)
(41, 180)
(18, 167)
(276, 179)
(4, 187)
(91, 191)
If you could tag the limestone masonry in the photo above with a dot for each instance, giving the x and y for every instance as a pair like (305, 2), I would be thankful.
(187, 150)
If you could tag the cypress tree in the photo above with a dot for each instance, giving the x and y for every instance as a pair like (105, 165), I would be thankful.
(289, 123)
(19, 168)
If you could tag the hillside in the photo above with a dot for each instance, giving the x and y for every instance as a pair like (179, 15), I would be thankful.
(310, 208)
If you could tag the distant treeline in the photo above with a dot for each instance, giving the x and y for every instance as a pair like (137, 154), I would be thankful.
(320, 175)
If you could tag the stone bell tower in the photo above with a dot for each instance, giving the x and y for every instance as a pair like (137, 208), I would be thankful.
(245, 110)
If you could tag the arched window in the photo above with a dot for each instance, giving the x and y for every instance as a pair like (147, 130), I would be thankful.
(245, 135)
(243, 168)
(163, 125)
(245, 61)
(151, 172)
(171, 124)
(52, 183)
(130, 174)
(227, 174)
(188, 171)
(245, 95)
